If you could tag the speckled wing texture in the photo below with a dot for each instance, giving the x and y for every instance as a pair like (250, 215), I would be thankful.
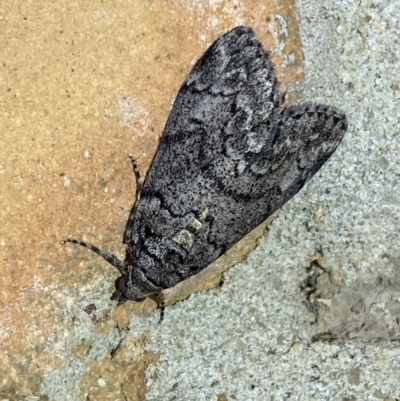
(228, 158)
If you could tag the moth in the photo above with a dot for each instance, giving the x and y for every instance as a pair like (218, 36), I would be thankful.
(228, 158)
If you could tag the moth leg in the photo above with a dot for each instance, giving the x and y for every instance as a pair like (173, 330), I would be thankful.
(139, 185)
(159, 296)
(139, 179)
(109, 257)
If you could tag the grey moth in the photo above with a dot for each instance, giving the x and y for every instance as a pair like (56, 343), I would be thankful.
(228, 158)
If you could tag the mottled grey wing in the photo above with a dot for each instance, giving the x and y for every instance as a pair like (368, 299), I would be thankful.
(230, 92)
(226, 161)
(304, 138)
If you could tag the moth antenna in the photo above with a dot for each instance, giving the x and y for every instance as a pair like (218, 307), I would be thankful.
(109, 257)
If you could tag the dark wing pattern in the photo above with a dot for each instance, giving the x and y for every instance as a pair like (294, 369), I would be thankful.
(227, 159)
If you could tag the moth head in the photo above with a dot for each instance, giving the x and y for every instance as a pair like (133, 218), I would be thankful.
(127, 291)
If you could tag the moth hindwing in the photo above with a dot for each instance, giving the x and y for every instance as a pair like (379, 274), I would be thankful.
(228, 158)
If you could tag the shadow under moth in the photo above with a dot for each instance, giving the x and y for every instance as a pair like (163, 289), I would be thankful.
(228, 158)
